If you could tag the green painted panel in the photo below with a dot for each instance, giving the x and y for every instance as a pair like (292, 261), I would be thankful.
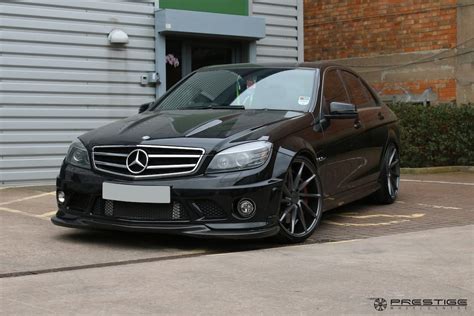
(238, 7)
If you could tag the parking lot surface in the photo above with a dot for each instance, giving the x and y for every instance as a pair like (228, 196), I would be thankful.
(34, 251)
(326, 279)
(31, 244)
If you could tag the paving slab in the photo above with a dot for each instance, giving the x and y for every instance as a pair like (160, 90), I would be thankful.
(9, 194)
(326, 279)
(32, 244)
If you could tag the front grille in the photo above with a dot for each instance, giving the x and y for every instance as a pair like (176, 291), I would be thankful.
(162, 161)
(140, 211)
(210, 209)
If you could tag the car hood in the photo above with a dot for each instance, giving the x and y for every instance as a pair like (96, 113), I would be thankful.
(191, 124)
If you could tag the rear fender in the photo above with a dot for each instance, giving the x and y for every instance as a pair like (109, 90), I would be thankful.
(393, 138)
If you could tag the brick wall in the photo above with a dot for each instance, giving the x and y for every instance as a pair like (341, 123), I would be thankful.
(354, 28)
(349, 30)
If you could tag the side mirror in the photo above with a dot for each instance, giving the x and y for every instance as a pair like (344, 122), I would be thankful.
(341, 110)
(144, 107)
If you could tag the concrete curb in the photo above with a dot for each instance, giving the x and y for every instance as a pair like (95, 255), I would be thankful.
(437, 169)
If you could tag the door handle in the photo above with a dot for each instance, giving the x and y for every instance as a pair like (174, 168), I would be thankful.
(357, 124)
(381, 117)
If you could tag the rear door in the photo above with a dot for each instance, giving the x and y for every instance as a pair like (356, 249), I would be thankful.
(372, 138)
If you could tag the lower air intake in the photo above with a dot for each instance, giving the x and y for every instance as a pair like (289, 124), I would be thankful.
(144, 211)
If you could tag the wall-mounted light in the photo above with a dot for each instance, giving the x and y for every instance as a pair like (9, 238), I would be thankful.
(118, 37)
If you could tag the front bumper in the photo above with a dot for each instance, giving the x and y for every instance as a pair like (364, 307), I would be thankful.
(245, 231)
(83, 190)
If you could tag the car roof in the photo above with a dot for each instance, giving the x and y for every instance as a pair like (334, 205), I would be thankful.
(316, 65)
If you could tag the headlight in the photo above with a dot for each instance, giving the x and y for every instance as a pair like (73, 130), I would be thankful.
(246, 156)
(77, 155)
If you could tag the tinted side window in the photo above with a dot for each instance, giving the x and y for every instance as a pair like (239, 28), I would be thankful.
(372, 100)
(334, 90)
(358, 93)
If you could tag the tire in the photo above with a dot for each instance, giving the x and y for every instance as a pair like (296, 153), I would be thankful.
(301, 202)
(389, 176)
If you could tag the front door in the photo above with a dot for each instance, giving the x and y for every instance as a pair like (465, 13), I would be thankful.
(186, 55)
(339, 146)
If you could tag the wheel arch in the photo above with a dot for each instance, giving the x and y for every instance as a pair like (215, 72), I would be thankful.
(393, 137)
(288, 150)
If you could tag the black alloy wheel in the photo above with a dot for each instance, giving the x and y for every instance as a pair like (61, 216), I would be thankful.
(301, 201)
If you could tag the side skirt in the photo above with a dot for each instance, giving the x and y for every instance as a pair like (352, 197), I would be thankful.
(349, 196)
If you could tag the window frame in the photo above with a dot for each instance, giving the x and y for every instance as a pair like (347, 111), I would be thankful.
(323, 79)
(366, 87)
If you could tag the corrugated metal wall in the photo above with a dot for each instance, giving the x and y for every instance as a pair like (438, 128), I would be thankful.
(59, 77)
(284, 31)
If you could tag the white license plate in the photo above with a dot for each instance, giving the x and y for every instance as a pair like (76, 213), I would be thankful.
(136, 193)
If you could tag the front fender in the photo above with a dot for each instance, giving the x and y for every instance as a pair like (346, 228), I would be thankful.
(288, 150)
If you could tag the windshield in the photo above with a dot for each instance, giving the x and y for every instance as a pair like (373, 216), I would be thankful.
(244, 88)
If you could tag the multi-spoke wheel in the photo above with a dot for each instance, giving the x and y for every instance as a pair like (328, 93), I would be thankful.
(390, 176)
(301, 202)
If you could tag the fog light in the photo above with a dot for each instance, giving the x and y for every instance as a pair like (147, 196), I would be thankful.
(61, 196)
(246, 208)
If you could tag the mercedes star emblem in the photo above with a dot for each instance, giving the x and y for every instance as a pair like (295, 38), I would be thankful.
(137, 161)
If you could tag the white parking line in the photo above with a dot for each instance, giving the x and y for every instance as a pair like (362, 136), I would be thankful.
(47, 214)
(10, 210)
(366, 224)
(440, 206)
(353, 215)
(439, 182)
(343, 241)
(28, 198)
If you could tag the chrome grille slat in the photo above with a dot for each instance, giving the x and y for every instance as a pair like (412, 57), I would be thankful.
(174, 156)
(163, 161)
(111, 154)
(171, 166)
(110, 164)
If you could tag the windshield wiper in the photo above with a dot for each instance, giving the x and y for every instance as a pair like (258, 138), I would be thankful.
(192, 108)
(234, 107)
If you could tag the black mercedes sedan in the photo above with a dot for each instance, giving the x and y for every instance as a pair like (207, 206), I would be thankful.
(236, 151)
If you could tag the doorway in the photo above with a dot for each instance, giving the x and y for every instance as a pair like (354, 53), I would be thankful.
(186, 55)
